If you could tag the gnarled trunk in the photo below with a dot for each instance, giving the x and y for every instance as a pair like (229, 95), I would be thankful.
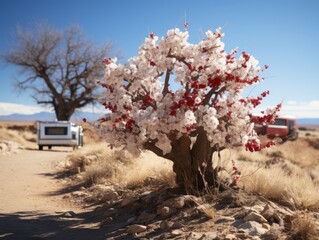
(193, 164)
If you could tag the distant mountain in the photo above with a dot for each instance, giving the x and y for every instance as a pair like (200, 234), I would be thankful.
(47, 116)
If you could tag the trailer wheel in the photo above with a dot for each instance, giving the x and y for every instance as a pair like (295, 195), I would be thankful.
(40, 147)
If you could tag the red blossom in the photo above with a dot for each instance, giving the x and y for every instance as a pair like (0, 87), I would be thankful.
(214, 82)
(152, 35)
(107, 60)
(129, 124)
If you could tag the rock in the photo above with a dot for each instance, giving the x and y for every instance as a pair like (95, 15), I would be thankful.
(268, 212)
(136, 228)
(153, 226)
(253, 216)
(254, 228)
(210, 236)
(242, 235)
(179, 202)
(8, 147)
(266, 226)
(257, 208)
(230, 237)
(79, 194)
(165, 224)
(223, 219)
(273, 234)
(105, 193)
(272, 212)
(193, 236)
(127, 201)
(130, 220)
(255, 238)
(176, 232)
(145, 217)
(68, 214)
(284, 211)
(163, 211)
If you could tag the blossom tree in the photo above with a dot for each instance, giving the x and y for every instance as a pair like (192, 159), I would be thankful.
(187, 121)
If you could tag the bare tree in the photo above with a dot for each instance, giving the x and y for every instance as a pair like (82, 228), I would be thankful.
(59, 67)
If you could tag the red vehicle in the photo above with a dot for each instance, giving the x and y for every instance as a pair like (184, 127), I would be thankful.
(284, 127)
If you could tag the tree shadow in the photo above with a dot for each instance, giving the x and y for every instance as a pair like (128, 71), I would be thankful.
(37, 225)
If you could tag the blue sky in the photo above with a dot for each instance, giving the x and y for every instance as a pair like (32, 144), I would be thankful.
(283, 34)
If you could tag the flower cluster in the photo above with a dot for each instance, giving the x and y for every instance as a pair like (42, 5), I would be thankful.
(145, 106)
(235, 173)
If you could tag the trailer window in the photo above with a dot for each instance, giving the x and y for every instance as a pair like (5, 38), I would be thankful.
(280, 122)
(56, 130)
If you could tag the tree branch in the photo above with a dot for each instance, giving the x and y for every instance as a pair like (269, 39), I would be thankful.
(166, 83)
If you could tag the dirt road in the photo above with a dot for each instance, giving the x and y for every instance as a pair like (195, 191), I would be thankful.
(31, 200)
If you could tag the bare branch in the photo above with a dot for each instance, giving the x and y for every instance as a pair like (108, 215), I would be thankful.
(166, 83)
(63, 64)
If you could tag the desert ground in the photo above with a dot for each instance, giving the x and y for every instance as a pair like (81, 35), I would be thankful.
(98, 193)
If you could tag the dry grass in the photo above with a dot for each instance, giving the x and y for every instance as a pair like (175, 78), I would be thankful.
(286, 173)
(99, 164)
(23, 134)
(294, 188)
(303, 227)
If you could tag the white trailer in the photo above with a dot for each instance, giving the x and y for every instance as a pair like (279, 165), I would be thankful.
(59, 133)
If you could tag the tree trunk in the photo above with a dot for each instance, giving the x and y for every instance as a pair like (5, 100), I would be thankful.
(63, 111)
(63, 114)
(193, 164)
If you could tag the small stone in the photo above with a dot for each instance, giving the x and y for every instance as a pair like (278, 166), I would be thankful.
(266, 226)
(163, 211)
(254, 228)
(193, 236)
(130, 220)
(127, 201)
(255, 238)
(68, 214)
(79, 194)
(224, 219)
(242, 235)
(136, 228)
(210, 236)
(230, 237)
(257, 208)
(255, 217)
(178, 202)
(165, 224)
(154, 225)
(268, 212)
(176, 232)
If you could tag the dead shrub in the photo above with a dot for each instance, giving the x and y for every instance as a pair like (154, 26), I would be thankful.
(303, 227)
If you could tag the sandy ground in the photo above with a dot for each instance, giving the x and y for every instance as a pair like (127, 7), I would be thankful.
(31, 199)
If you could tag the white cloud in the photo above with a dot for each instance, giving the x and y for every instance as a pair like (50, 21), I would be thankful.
(301, 109)
(11, 108)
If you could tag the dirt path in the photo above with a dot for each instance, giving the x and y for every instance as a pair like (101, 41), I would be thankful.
(31, 200)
